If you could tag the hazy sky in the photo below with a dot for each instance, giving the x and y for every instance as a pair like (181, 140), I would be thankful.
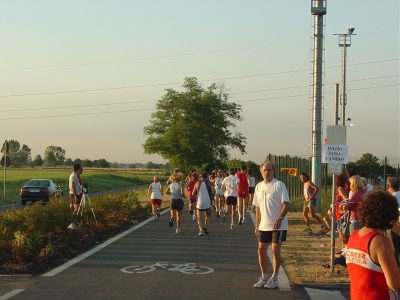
(86, 75)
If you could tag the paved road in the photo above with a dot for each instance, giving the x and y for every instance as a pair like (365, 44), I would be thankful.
(221, 265)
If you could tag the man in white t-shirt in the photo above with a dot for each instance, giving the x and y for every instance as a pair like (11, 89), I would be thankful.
(271, 201)
(75, 189)
(231, 185)
(393, 185)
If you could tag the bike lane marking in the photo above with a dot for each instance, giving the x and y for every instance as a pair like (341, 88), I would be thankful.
(316, 294)
(282, 277)
(11, 294)
(187, 268)
(97, 248)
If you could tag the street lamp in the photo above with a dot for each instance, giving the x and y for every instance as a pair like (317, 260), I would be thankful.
(344, 41)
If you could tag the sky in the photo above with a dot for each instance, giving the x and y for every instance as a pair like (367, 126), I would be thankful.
(86, 75)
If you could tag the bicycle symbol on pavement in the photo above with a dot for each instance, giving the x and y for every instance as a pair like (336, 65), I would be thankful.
(188, 268)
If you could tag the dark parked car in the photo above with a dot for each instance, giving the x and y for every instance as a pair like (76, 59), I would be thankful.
(40, 189)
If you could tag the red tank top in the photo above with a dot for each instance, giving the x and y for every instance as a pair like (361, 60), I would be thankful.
(243, 183)
(367, 281)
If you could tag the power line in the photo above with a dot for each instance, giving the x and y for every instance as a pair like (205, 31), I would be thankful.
(174, 56)
(154, 100)
(161, 84)
(146, 109)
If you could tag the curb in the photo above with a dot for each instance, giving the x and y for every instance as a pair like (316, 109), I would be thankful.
(327, 286)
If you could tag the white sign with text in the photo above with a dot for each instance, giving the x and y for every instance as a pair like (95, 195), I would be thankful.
(335, 154)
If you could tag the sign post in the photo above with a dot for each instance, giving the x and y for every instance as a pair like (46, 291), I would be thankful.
(5, 150)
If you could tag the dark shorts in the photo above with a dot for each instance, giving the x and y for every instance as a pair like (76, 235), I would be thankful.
(276, 236)
(73, 200)
(192, 201)
(230, 200)
(312, 202)
(156, 201)
(251, 189)
(202, 209)
(176, 204)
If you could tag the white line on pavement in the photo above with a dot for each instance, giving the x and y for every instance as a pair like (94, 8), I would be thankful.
(11, 294)
(323, 294)
(282, 277)
(97, 248)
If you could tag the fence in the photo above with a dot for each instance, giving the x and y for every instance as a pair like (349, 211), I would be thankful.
(293, 184)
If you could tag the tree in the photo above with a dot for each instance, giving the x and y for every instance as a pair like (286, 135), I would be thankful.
(369, 164)
(19, 155)
(68, 162)
(54, 155)
(38, 160)
(77, 161)
(102, 163)
(86, 163)
(192, 127)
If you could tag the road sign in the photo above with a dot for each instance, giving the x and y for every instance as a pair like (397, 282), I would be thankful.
(8, 161)
(335, 154)
(6, 148)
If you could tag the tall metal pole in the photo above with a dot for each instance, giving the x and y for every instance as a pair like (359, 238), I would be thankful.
(333, 216)
(344, 82)
(318, 9)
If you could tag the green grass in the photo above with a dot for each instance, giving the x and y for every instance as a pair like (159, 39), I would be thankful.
(97, 179)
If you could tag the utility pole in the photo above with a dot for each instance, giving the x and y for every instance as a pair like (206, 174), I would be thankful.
(344, 41)
(318, 10)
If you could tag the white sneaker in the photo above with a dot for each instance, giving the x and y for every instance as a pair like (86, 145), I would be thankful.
(261, 283)
(194, 218)
(271, 283)
(244, 220)
(178, 230)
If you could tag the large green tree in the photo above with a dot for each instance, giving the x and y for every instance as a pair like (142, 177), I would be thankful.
(54, 155)
(193, 127)
(19, 156)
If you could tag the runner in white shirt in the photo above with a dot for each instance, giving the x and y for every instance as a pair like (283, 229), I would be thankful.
(272, 204)
(230, 185)
(252, 186)
(219, 194)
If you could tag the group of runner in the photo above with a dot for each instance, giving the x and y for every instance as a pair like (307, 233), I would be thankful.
(225, 193)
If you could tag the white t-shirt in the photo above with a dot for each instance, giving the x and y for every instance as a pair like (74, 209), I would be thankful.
(270, 199)
(230, 185)
(252, 181)
(218, 184)
(74, 183)
(397, 195)
(203, 198)
(156, 190)
(368, 189)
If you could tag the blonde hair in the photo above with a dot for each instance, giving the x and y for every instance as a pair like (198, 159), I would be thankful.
(176, 177)
(356, 184)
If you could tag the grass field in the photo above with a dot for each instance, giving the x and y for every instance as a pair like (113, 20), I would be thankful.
(98, 179)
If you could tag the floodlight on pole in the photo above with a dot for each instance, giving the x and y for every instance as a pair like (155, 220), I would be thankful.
(344, 41)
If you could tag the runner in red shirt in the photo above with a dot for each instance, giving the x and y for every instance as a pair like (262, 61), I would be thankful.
(244, 178)
(370, 259)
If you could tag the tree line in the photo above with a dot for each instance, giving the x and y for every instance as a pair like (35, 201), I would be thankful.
(53, 155)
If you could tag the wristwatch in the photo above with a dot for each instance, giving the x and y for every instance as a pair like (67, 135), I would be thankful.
(281, 218)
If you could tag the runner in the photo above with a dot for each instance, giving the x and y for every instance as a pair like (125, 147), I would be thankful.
(310, 190)
(219, 194)
(177, 192)
(205, 191)
(271, 200)
(156, 190)
(243, 198)
(192, 197)
(252, 185)
(230, 186)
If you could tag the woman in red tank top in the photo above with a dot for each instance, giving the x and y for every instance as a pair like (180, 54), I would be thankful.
(369, 257)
